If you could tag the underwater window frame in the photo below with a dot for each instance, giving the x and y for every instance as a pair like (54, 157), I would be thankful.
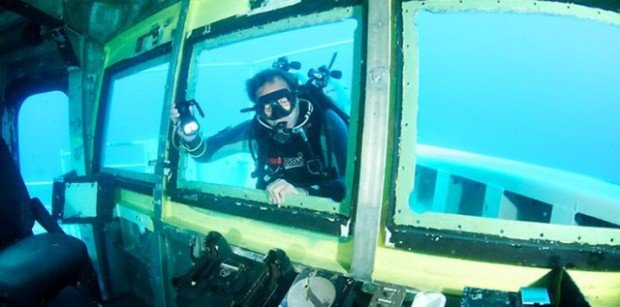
(314, 213)
(466, 236)
(135, 181)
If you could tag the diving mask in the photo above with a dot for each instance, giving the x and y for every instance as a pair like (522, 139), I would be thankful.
(276, 105)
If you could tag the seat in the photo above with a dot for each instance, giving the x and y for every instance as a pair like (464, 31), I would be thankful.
(35, 268)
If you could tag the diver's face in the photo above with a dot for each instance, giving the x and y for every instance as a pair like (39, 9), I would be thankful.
(273, 86)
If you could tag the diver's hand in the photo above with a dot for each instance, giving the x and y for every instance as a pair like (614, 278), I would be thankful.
(175, 117)
(280, 188)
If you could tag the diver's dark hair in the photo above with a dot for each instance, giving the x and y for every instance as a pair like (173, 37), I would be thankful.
(266, 76)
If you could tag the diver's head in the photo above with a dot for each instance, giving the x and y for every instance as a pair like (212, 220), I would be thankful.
(273, 92)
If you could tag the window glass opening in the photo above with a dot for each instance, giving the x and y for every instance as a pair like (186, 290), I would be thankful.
(44, 149)
(134, 118)
(220, 88)
(517, 117)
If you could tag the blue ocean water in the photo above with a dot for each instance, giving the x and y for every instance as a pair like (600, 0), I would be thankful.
(539, 89)
(43, 136)
(134, 117)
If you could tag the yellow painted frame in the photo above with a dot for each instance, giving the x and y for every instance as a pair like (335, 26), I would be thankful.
(302, 246)
(123, 46)
(314, 203)
(448, 274)
(407, 145)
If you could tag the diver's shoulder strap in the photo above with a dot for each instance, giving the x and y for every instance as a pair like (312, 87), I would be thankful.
(327, 144)
(259, 151)
(322, 101)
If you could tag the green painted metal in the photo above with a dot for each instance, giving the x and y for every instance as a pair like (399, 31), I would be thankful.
(129, 174)
(320, 204)
(205, 12)
(76, 115)
(92, 81)
(306, 247)
(408, 125)
(124, 45)
(135, 201)
(516, 6)
(160, 280)
(374, 138)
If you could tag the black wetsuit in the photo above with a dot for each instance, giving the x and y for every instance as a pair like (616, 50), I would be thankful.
(320, 170)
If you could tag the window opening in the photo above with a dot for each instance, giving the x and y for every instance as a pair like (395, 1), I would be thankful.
(220, 76)
(44, 149)
(134, 117)
(512, 123)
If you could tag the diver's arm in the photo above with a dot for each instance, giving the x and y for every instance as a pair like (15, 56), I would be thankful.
(203, 149)
(337, 133)
(196, 148)
(334, 189)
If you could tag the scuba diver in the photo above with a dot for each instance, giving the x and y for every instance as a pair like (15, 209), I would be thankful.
(299, 145)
